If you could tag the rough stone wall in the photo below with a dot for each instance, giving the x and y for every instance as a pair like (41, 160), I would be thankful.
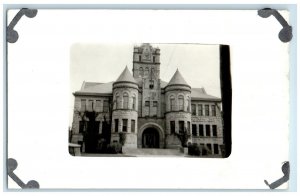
(121, 111)
(208, 120)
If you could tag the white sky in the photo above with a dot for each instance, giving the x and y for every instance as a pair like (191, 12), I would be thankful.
(199, 64)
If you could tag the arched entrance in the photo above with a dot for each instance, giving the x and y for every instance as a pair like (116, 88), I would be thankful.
(150, 138)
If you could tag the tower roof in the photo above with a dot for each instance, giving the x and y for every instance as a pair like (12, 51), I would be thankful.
(126, 76)
(177, 79)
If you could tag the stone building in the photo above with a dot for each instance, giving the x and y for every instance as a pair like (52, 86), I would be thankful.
(148, 110)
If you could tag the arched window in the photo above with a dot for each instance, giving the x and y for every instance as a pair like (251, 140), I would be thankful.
(188, 104)
(180, 102)
(118, 99)
(172, 103)
(141, 72)
(146, 71)
(133, 102)
(125, 101)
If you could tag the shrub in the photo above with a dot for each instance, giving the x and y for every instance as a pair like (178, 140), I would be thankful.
(114, 148)
(194, 149)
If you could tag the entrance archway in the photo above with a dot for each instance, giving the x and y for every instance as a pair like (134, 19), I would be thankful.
(150, 138)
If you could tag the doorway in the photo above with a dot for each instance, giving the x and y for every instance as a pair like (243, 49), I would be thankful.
(150, 138)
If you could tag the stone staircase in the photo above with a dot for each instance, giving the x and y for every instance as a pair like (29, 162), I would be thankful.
(153, 152)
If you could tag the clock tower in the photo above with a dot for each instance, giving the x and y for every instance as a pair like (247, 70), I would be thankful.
(146, 70)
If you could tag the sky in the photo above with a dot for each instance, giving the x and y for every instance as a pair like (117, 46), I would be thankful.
(198, 64)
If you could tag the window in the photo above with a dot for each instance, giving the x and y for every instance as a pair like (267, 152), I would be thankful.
(181, 126)
(83, 105)
(207, 128)
(172, 103)
(105, 106)
(140, 58)
(124, 128)
(151, 84)
(146, 71)
(81, 126)
(90, 106)
(214, 129)
(147, 103)
(116, 125)
(172, 125)
(132, 126)
(118, 98)
(188, 104)
(188, 127)
(201, 132)
(125, 101)
(133, 102)
(153, 59)
(216, 149)
(208, 146)
(141, 72)
(213, 110)
(206, 110)
(154, 103)
(180, 103)
(200, 110)
(193, 109)
(97, 105)
(194, 130)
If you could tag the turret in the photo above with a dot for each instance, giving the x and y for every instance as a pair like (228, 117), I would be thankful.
(178, 107)
(124, 115)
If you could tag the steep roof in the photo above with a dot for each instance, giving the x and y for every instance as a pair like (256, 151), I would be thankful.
(106, 88)
(126, 76)
(177, 79)
(200, 94)
(97, 88)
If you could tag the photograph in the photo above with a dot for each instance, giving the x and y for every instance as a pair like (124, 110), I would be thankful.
(143, 110)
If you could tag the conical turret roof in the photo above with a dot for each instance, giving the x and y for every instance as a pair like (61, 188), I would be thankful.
(126, 76)
(177, 79)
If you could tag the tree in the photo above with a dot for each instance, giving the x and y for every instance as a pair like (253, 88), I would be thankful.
(183, 137)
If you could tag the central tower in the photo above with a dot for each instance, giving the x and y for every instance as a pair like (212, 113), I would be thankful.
(146, 71)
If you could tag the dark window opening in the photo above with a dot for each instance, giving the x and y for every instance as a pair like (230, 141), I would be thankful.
(132, 126)
(216, 149)
(194, 130)
(201, 132)
(154, 59)
(147, 103)
(116, 125)
(124, 128)
(207, 127)
(172, 125)
(181, 126)
(214, 129)
(154, 103)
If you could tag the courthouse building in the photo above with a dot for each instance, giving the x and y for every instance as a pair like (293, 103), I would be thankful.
(148, 110)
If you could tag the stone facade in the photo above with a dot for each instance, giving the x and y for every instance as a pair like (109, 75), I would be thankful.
(148, 110)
